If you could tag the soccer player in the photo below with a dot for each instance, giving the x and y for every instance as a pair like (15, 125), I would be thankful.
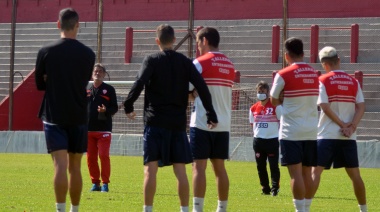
(166, 76)
(219, 74)
(63, 69)
(342, 103)
(299, 120)
(264, 118)
(102, 105)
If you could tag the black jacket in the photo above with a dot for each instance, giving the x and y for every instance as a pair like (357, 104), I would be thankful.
(105, 94)
(166, 76)
(68, 65)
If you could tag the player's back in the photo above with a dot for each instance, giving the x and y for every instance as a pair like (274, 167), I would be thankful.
(299, 109)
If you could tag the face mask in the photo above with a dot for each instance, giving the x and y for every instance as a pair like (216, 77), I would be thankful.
(261, 96)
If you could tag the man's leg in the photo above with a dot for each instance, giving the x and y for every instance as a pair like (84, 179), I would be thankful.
(275, 172)
(104, 155)
(76, 182)
(60, 160)
(358, 185)
(183, 183)
(222, 182)
(261, 163)
(316, 175)
(199, 184)
(296, 181)
(92, 158)
(150, 173)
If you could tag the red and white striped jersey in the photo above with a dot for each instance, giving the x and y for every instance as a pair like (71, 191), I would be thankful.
(219, 74)
(299, 82)
(342, 92)
(265, 120)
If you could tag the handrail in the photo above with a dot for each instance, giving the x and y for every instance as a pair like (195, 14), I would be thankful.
(314, 41)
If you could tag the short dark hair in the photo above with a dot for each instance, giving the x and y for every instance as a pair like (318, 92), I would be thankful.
(294, 47)
(68, 18)
(262, 85)
(211, 34)
(99, 65)
(165, 33)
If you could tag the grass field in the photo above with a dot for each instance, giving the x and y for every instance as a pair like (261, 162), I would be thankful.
(27, 186)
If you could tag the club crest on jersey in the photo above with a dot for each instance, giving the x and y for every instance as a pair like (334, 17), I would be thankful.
(257, 155)
(104, 91)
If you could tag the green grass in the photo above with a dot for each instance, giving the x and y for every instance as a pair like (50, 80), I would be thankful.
(26, 185)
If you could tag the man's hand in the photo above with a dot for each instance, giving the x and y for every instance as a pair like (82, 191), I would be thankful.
(131, 115)
(212, 125)
(102, 109)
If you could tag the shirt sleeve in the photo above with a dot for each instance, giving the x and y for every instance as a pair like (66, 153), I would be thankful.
(198, 66)
(142, 78)
(278, 86)
(359, 95)
(251, 118)
(279, 112)
(113, 107)
(40, 71)
(322, 97)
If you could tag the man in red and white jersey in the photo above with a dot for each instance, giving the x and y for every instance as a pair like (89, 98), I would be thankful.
(298, 127)
(342, 103)
(264, 119)
(219, 74)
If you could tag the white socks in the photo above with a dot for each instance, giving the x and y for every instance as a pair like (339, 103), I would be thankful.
(299, 205)
(222, 206)
(198, 204)
(147, 208)
(307, 204)
(363, 208)
(60, 207)
(184, 208)
(74, 208)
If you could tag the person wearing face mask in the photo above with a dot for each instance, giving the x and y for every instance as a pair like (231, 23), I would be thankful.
(264, 119)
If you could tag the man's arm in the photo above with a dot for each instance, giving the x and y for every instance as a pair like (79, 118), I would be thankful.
(143, 76)
(332, 115)
(112, 108)
(204, 94)
(40, 73)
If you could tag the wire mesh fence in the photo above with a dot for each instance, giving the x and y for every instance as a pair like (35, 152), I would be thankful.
(248, 43)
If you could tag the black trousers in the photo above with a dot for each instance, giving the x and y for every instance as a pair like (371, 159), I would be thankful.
(267, 149)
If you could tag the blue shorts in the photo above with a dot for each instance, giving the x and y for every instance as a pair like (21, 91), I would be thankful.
(70, 138)
(166, 146)
(294, 152)
(206, 144)
(340, 153)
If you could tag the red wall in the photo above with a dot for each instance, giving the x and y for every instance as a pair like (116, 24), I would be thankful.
(161, 10)
(26, 104)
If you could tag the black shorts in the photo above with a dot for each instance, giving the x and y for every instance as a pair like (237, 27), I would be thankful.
(206, 144)
(294, 152)
(339, 153)
(166, 146)
(70, 138)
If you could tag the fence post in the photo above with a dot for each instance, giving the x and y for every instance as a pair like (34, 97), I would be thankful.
(197, 54)
(314, 41)
(275, 43)
(359, 77)
(354, 43)
(236, 92)
(128, 44)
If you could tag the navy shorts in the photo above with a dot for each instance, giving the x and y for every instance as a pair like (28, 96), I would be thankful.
(206, 144)
(294, 152)
(166, 146)
(70, 138)
(340, 153)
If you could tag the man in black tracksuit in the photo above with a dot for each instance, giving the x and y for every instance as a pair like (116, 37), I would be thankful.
(166, 76)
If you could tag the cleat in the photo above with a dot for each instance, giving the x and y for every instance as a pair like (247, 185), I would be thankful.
(104, 188)
(95, 187)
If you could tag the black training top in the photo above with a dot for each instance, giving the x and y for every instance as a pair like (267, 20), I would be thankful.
(68, 65)
(104, 94)
(166, 76)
